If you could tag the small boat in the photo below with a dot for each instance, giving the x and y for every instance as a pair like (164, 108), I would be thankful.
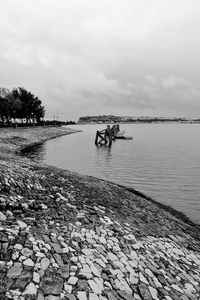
(120, 135)
(123, 137)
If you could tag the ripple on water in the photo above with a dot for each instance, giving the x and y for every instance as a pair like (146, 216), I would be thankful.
(162, 161)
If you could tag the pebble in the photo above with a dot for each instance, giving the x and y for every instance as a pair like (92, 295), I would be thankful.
(72, 280)
(22, 224)
(92, 258)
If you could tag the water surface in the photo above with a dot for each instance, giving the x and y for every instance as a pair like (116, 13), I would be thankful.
(161, 161)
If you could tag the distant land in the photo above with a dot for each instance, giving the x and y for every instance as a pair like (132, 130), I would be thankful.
(118, 119)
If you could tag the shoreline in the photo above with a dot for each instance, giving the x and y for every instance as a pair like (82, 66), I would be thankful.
(68, 131)
(59, 216)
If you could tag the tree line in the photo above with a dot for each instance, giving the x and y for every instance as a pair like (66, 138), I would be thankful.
(20, 105)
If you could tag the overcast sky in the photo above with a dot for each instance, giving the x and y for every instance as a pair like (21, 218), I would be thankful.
(90, 57)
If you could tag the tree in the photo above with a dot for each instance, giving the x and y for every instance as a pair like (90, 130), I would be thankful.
(26, 105)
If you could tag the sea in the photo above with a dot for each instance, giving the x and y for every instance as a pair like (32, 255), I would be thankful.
(162, 160)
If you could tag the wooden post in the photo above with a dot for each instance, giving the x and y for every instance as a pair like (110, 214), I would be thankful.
(96, 138)
(109, 135)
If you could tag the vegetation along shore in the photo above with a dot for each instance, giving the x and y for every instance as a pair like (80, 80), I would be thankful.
(68, 236)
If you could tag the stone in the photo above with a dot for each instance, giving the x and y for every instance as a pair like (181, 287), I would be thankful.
(30, 289)
(189, 289)
(68, 288)
(45, 262)
(40, 297)
(94, 270)
(22, 280)
(83, 285)
(28, 262)
(58, 259)
(22, 224)
(64, 271)
(52, 285)
(143, 279)
(14, 272)
(153, 292)
(26, 252)
(100, 262)
(3, 218)
(18, 247)
(36, 277)
(72, 280)
(56, 248)
(111, 296)
(82, 295)
(144, 291)
(70, 297)
(125, 296)
(133, 279)
(112, 256)
(93, 296)
(94, 287)
(177, 288)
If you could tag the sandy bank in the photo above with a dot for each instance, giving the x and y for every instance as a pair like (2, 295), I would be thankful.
(13, 140)
(67, 236)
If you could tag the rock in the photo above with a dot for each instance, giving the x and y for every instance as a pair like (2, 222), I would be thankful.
(111, 296)
(112, 256)
(93, 296)
(72, 280)
(45, 262)
(64, 271)
(94, 287)
(56, 248)
(70, 297)
(144, 291)
(28, 262)
(14, 272)
(43, 206)
(68, 288)
(22, 224)
(26, 252)
(3, 218)
(83, 285)
(143, 279)
(22, 280)
(36, 277)
(177, 288)
(18, 247)
(52, 285)
(125, 296)
(82, 295)
(40, 297)
(30, 289)
(153, 292)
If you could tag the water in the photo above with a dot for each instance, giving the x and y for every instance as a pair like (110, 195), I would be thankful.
(161, 161)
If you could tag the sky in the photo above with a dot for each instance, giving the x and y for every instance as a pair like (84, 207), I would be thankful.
(92, 57)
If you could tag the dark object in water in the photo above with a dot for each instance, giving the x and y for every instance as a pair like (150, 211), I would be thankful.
(123, 137)
(109, 134)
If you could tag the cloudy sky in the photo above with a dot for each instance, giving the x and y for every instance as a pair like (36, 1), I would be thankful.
(90, 57)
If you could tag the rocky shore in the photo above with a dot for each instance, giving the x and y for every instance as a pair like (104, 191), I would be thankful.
(67, 236)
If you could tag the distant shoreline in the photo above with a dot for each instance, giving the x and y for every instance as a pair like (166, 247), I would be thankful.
(140, 122)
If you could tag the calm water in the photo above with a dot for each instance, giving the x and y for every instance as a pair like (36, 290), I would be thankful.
(161, 161)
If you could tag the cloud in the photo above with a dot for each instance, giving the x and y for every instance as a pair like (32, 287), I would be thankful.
(109, 56)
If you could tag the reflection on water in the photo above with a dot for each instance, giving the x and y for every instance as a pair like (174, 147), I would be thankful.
(161, 161)
(104, 151)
